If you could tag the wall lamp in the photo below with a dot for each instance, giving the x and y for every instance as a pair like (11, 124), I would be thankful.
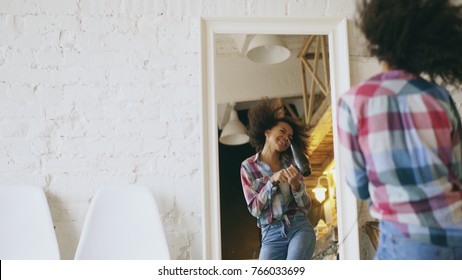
(320, 190)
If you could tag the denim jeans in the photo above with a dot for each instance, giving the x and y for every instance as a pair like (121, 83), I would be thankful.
(283, 242)
(393, 245)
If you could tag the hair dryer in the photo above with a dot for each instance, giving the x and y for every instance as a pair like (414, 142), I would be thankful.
(300, 160)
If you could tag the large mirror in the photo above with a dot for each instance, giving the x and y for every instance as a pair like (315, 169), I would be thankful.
(306, 76)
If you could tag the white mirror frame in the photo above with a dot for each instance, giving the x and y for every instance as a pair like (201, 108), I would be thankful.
(336, 29)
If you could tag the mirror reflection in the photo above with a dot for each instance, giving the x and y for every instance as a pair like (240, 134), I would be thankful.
(292, 70)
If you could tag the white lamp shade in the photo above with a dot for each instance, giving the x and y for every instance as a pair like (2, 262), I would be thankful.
(234, 132)
(267, 49)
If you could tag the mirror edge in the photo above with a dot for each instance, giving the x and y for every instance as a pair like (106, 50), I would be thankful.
(336, 29)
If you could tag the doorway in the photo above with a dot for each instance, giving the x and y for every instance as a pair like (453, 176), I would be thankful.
(240, 236)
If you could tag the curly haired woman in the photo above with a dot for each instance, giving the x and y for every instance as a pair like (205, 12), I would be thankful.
(401, 132)
(274, 188)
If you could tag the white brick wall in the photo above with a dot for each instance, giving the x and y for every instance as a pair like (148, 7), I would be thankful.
(95, 93)
(101, 92)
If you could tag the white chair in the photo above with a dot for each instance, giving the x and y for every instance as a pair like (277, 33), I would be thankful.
(123, 223)
(26, 227)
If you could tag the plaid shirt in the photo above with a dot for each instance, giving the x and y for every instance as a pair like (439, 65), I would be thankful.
(400, 139)
(265, 201)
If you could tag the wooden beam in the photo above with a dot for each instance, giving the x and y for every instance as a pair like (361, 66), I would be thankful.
(325, 61)
(289, 109)
(313, 84)
(327, 161)
(315, 77)
(305, 93)
(311, 103)
(306, 45)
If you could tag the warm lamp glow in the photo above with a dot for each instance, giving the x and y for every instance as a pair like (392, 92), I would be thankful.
(320, 190)
(321, 228)
(320, 193)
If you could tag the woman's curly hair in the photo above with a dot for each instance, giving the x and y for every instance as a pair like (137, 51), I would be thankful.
(418, 36)
(264, 115)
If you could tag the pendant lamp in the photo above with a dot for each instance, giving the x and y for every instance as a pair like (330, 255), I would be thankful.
(234, 132)
(267, 49)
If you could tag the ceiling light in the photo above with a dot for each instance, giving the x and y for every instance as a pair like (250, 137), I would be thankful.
(267, 49)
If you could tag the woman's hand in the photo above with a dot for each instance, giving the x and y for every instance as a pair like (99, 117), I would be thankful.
(279, 177)
(293, 176)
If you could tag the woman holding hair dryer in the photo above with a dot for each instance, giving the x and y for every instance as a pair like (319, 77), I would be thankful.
(273, 186)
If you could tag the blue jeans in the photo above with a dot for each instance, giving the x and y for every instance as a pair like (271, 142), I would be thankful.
(393, 245)
(283, 242)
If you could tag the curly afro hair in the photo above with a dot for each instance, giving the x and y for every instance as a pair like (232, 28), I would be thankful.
(418, 36)
(264, 115)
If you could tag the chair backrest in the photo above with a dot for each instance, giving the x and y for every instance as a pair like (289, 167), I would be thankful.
(123, 223)
(26, 227)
